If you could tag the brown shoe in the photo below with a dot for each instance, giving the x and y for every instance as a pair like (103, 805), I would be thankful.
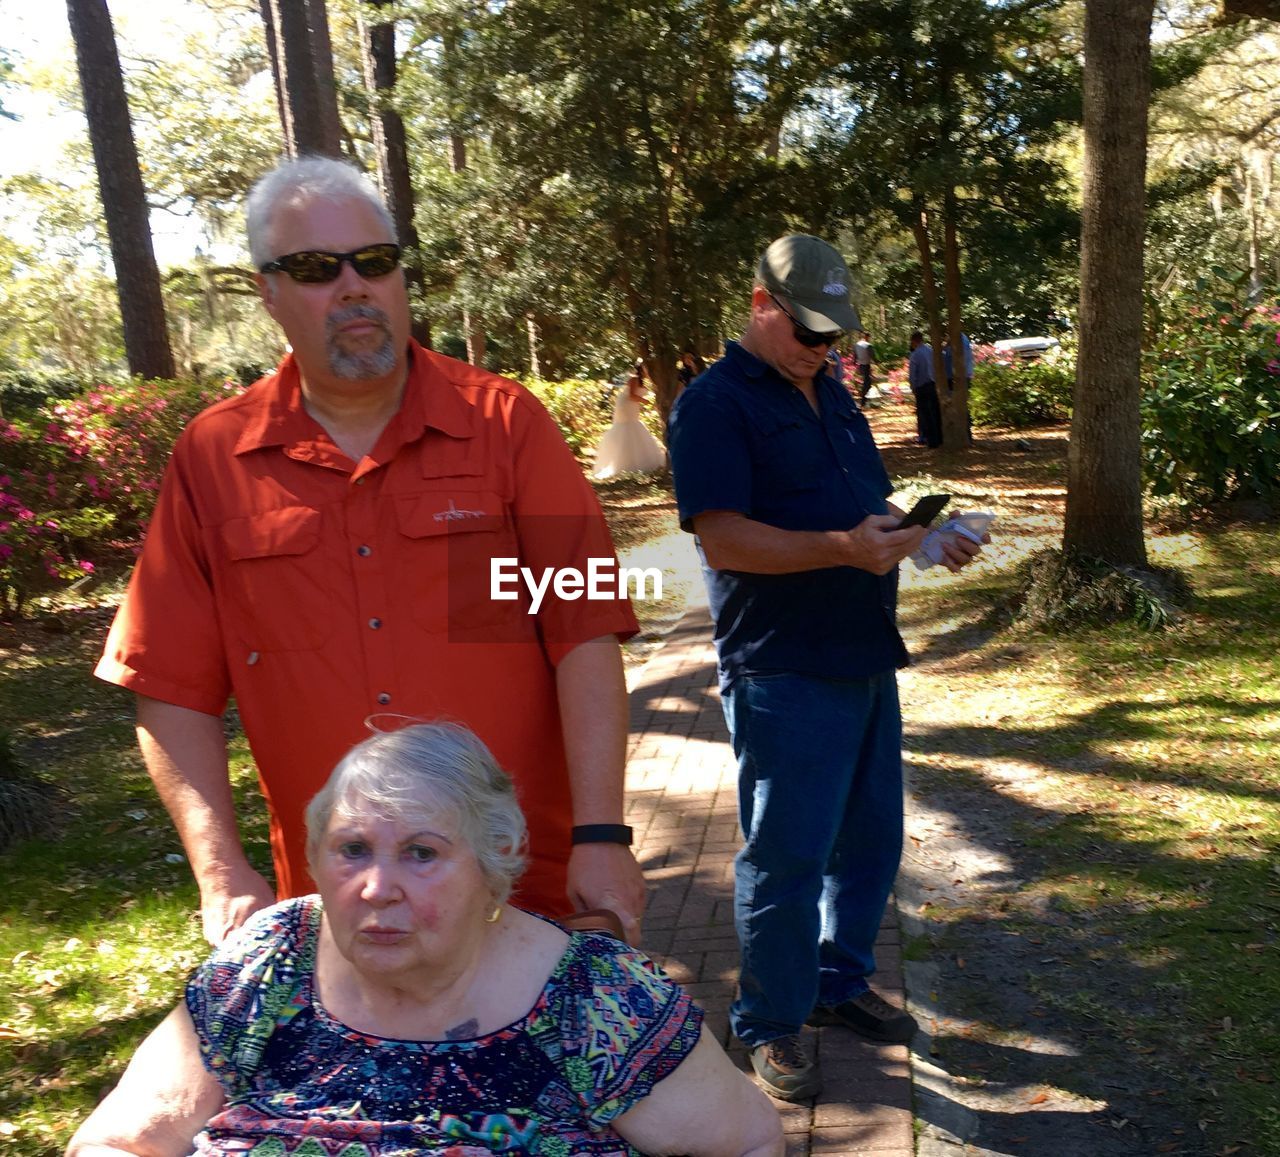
(785, 1070)
(870, 1016)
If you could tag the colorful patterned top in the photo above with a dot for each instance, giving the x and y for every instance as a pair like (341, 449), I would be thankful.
(607, 1027)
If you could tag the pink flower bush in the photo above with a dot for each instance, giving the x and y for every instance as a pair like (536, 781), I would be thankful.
(80, 479)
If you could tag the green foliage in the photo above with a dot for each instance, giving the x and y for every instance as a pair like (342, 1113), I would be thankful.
(44, 511)
(961, 96)
(1211, 406)
(1060, 590)
(624, 147)
(582, 409)
(25, 801)
(1213, 154)
(26, 390)
(1021, 393)
(80, 479)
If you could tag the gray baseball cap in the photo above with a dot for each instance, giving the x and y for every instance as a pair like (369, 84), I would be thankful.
(812, 280)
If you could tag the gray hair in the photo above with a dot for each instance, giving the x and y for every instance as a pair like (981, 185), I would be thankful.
(295, 182)
(430, 768)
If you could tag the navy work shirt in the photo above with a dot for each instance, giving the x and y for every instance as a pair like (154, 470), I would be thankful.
(744, 439)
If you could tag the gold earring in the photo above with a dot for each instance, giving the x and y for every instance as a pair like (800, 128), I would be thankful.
(494, 916)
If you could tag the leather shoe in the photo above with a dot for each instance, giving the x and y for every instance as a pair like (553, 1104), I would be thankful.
(870, 1016)
(785, 1070)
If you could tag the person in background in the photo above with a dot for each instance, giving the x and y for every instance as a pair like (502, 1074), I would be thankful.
(835, 365)
(409, 1007)
(322, 550)
(967, 347)
(627, 446)
(777, 474)
(925, 391)
(863, 357)
(691, 365)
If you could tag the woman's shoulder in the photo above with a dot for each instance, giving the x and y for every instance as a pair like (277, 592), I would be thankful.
(600, 975)
(284, 928)
(250, 984)
(617, 1025)
(258, 965)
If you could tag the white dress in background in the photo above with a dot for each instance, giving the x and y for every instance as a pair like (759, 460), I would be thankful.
(627, 446)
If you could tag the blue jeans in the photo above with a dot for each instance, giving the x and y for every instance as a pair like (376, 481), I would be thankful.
(820, 800)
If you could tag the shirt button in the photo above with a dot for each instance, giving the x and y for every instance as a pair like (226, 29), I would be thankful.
(364, 551)
(375, 623)
(383, 698)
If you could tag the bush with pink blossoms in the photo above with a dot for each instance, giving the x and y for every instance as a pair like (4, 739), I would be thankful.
(45, 516)
(1211, 403)
(79, 478)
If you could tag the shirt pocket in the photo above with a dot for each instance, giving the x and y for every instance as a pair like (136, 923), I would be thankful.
(448, 539)
(790, 455)
(279, 587)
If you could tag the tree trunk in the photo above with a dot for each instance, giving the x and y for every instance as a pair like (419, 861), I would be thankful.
(1104, 463)
(124, 200)
(474, 334)
(535, 354)
(472, 326)
(298, 79)
(929, 289)
(267, 10)
(378, 42)
(326, 85)
(955, 395)
(1252, 215)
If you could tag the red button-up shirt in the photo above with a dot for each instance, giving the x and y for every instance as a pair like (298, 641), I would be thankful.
(320, 592)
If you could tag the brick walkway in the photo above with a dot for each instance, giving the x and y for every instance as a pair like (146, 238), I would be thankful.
(683, 806)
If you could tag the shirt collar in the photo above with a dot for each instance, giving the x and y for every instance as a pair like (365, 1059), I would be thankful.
(747, 363)
(430, 400)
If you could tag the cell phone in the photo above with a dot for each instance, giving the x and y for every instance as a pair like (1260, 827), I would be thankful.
(924, 511)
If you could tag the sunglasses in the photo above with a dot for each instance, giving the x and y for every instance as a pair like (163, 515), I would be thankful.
(315, 267)
(807, 337)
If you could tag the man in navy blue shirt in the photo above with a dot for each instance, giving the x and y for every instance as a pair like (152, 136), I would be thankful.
(777, 474)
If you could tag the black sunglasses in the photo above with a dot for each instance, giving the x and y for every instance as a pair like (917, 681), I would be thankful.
(809, 338)
(315, 267)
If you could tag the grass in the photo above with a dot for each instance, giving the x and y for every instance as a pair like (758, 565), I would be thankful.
(97, 920)
(1136, 777)
(1132, 776)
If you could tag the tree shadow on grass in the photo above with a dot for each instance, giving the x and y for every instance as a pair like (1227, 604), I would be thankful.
(1080, 743)
(1069, 953)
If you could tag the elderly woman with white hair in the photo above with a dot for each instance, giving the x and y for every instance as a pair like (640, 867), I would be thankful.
(408, 1007)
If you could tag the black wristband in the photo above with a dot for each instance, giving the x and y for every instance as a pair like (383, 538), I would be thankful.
(602, 834)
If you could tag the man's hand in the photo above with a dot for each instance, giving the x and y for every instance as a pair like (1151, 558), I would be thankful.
(607, 876)
(876, 545)
(957, 550)
(960, 547)
(228, 900)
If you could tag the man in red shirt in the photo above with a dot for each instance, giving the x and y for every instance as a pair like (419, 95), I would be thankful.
(323, 550)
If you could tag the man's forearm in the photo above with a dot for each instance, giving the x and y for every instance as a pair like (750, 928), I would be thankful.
(593, 719)
(731, 541)
(735, 542)
(186, 756)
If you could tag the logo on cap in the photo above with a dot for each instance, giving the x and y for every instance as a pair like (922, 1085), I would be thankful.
(834, 286)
